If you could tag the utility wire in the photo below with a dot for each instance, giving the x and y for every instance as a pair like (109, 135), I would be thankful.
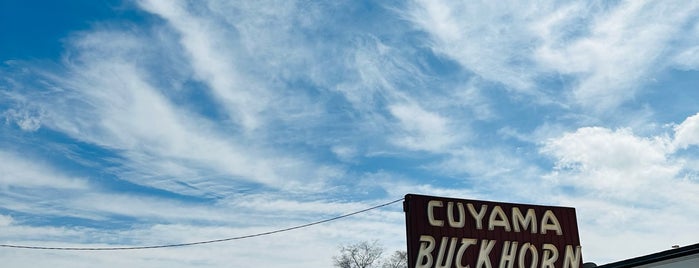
(201, 242)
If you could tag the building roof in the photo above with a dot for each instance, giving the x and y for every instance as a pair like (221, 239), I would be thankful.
(669, 256)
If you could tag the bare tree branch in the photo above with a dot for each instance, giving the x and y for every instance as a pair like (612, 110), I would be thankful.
(359, 255)
(399, 259)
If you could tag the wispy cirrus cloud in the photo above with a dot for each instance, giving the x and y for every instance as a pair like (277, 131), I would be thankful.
(619, 52)
(214, 62)
(207, 119)
(458, 28)
(23, 172)
(610, 50)
(24, 118)
(263, 250)
(109, 96)
(423, 130)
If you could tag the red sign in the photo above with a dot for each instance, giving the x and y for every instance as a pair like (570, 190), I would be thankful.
(446, 232)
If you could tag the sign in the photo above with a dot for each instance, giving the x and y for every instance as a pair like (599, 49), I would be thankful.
(446, 232)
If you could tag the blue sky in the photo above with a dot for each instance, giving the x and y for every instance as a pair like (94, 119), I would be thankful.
(127, 123)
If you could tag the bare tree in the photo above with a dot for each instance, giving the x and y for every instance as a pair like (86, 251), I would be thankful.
(359, 255)
(399, 259)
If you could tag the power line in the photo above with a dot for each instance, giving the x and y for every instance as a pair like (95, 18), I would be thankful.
(201, 242)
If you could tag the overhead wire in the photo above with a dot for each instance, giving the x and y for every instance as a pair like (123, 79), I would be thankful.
(201, 242)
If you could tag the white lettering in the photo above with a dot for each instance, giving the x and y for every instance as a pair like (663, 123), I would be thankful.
(450, 215)
(484, 253)
(507, 259)
(571, 260)
(430, 213)
(524, 221)
(478, 216)
(523, 253)
(493, 221)
(550, 222)
(550, 255)
(441, 262)
(465, 242)
(527, 255)
(424, 255)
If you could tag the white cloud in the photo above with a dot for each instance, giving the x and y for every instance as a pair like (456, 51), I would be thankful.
(111, 97)
(480, 163)
(482, 38)
(625, 188)
(129, 114)
(608, 50)
(209, 53)
(19, 171)
(421, 129)
(262, 251)
(472, 97)
(5, 220)
(623, 48)
(687, 133)
(611, 161)
(605, 225)
(688, 59)
(289, 94)
(26, 120)
(344, 153)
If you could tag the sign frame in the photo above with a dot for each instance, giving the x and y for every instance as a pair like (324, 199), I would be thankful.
(478, 233)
